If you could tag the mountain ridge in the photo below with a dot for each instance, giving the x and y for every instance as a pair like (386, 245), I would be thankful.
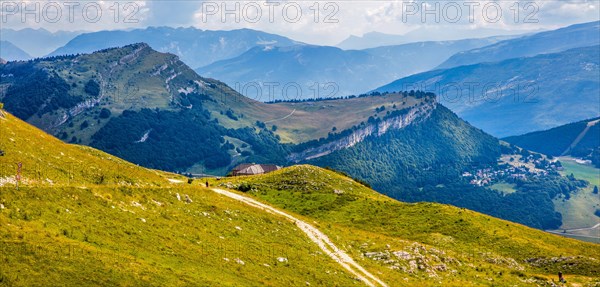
(10, 52)
(554, 41)
(323, 71)
(517, 87)
(185, 42)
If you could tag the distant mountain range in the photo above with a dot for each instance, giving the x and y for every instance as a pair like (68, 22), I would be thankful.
(336, 72)
(428, 33)
(574, 36)
(37, 42)
(580, 139)
(10, 52)
(195, 47)
(519, 95)
(153, 110)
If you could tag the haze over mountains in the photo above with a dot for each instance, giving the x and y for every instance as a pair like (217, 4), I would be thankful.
(519, 95)
(337, 72)
(10, 52)
(574, 36)
(123, 155)
(427, 33)
(195, 47)
(37, 42)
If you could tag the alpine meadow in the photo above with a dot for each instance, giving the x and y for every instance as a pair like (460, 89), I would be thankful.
(300, 143)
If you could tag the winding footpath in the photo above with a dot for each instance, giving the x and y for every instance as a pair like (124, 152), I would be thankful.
(315, 236)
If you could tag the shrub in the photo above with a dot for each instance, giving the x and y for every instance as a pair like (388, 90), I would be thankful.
(105, 113)
(92, 88)
(244, 187)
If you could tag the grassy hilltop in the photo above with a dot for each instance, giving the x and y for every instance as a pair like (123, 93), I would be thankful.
(474, 249)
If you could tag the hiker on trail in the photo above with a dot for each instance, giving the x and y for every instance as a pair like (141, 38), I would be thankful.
(207, 183)
(561, 279)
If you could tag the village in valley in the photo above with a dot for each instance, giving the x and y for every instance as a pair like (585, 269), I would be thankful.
(521, 165)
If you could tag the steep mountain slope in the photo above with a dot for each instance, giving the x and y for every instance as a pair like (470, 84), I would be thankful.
(456, 238)
(137, 227)
(195, 47)
(579, 35)
(579, 139)
(327, 71)
(10, 52)
(518, 95)
(37, 42)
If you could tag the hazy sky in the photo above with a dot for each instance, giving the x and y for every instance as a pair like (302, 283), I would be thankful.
(318, 22)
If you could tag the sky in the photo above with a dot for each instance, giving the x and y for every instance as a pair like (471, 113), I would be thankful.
(315, 22)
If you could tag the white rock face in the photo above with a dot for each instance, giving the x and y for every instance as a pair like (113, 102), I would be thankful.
(377, 129)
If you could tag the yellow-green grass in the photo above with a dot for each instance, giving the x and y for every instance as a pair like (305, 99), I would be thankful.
(578, 211)
(115, 236)
(137, 228)
(47, 161)
(356, 213)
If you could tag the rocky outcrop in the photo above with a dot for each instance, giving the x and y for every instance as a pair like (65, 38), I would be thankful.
(415, 114)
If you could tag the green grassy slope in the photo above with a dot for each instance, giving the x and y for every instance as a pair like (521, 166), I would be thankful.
(131, 229)
(578, 211)
(365, 221)
(314, 120)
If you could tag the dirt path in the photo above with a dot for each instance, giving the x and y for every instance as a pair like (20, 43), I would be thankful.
(289, 115)
(580, 136)
(315, 236)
